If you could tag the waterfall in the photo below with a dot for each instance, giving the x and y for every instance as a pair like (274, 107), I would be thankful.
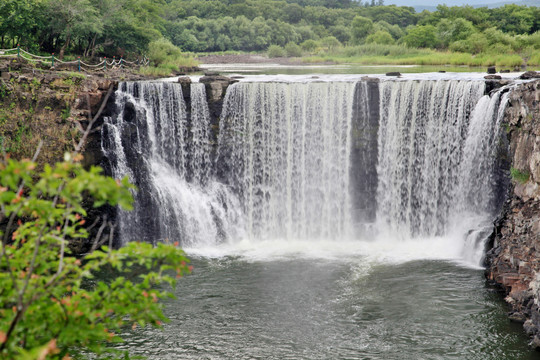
(315, 160)
(150, 140)
(288, 147)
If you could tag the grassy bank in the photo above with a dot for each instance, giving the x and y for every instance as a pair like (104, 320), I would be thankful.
(378, 54)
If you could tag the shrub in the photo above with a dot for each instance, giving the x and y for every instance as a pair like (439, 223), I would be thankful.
(293, 50)
(380, 37)
(424, 36)
(275, 51)
(330, 43)
(309, 46)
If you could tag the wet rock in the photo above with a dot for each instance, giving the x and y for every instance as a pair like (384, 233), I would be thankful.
(535, 343)
(530, 75)
(185, 82)
(505, 71)
(393, 73)
(491, 70)
(493, 77)
(529, 328)
(216, 86)
(370, 79)
(210, 73)
(513, 263)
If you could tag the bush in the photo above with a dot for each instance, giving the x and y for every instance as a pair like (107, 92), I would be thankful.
(424, 36)
(292, 50)
(380, 37)
(50, 304)
(275, 51)
(309, 46)
(474, 44)
(162, 51)
(330, 43)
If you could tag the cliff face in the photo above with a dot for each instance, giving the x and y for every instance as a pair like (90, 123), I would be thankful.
(514, 261)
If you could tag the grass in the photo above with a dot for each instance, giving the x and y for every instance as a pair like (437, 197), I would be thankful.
(520, 176)
(377, 54)
(169, 67)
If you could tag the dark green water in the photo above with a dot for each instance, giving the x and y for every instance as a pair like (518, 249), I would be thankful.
(232, 308)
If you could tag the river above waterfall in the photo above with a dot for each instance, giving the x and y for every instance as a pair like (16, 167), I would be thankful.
(331, 305)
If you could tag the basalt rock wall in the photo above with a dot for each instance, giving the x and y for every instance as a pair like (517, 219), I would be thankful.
(514, 260)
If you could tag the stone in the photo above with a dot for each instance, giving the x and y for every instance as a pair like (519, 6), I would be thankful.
(493, 77)
(370, 79)
(393, 73)
(210, 73)
(491, 70)
(535, 343)
(216, 85)
(185, 82)
(505, 71)
(527, 75)
(5, 76)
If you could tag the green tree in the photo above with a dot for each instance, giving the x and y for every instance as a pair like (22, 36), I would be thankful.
(293, 50)
(380, 37)
(361, 28)
(49, 307)
(330, 43)
(309, 46)
(71, 17)
(275, 51)
(449, 31)
(422, 36)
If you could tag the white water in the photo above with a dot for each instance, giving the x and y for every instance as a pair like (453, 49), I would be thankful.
(280, 185)
(168, 205)
(288, 147)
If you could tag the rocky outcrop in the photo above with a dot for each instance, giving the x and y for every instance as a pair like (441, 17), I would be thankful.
(514, 260)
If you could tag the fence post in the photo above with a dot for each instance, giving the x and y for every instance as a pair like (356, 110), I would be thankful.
(52, 58)
(121, 65)
(105, 59)
(79, 62)
(18, 52)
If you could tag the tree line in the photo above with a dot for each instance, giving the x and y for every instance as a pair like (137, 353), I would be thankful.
(123, 27)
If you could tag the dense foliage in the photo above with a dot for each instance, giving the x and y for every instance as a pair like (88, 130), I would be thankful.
(121, 26)
(51, 304)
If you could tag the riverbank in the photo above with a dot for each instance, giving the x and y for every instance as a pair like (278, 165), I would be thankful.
(377, 54)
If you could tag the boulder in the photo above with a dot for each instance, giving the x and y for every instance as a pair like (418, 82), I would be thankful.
(393, 73)
(530, 75)
(493, 77)
(491, 70)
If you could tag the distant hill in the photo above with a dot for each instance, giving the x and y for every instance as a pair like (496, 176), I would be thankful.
(420, 5)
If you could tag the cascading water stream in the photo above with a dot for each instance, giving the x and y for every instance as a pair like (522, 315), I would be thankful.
(151, 142)
(288, 150)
